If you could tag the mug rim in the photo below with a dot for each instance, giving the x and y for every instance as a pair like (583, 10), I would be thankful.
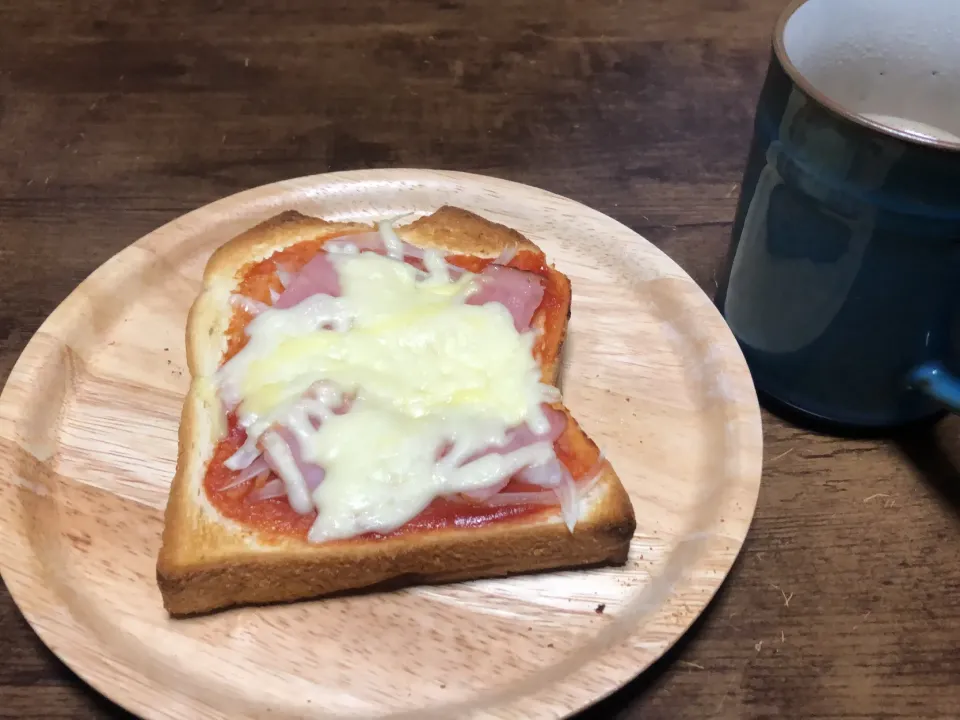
(798, 79)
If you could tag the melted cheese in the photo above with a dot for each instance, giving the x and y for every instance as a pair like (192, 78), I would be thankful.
(392, 243)
(429, 374)
(401, 477)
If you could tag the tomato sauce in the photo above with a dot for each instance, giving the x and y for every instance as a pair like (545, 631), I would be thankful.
(275, 516)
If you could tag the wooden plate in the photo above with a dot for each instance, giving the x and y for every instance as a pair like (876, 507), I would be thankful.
(88, 426)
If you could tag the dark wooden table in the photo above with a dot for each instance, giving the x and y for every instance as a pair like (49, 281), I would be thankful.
(116, 117)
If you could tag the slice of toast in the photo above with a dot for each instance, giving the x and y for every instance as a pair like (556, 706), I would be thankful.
(209, 562)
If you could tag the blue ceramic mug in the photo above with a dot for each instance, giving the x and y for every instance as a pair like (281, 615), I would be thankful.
(842, 283)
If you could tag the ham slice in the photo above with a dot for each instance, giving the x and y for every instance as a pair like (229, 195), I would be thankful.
(312, 474)
(317, 277)
(520, 437)
(518, 291)
(279, 442)
(558, 483)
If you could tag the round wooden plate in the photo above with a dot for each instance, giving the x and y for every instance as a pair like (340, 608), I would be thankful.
(88, 426)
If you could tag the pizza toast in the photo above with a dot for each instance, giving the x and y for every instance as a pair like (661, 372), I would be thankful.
(213, 558)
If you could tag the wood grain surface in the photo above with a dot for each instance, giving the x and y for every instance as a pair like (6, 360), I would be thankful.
(117, 117)
(88, 427)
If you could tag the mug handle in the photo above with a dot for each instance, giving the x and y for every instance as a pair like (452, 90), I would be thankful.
(937, 382)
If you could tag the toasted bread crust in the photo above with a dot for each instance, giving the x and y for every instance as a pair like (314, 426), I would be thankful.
(193, 583)
(207, 562)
